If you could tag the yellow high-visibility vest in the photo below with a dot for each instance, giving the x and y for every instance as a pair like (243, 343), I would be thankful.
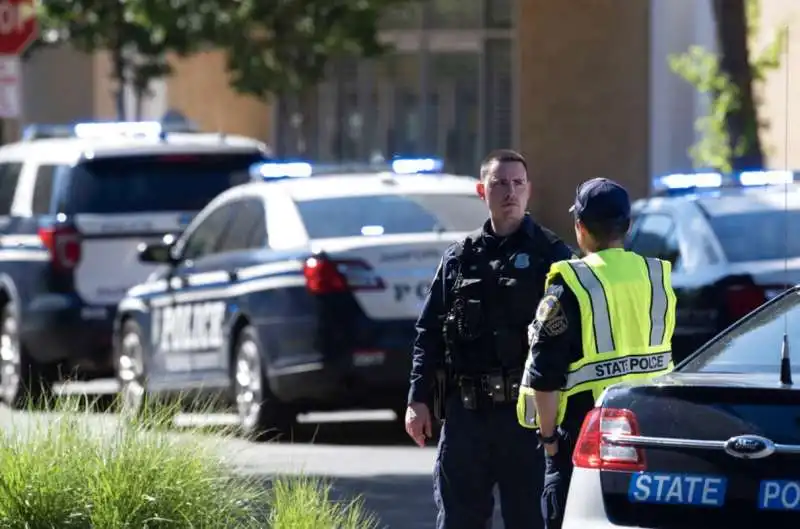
(627, 308)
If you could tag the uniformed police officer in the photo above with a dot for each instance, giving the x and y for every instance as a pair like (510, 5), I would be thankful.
(598, 314)
(470, 352)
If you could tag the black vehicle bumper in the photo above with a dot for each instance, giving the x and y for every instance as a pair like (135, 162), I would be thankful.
(363, 370)
(62, 329)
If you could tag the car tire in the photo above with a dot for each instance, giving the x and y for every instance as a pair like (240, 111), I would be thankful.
(23, 382)
(261, 415)
(131, 371)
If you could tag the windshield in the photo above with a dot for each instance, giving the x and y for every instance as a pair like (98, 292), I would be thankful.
(155, 183)
(758, 235)
(754, 347)
(390, 214)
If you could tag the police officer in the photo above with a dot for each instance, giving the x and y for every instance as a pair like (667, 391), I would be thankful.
(611, 306)
(470, 352)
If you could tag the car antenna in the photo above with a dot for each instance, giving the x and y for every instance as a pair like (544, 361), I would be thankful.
(786, 366)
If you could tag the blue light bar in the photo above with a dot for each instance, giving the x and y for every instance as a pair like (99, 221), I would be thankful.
(417, 165)
(123, 128)
(690, 180)
(270, 170)
(104, 129)
(765, 178)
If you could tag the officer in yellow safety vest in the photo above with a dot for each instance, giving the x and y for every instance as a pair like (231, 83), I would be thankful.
(606, 318)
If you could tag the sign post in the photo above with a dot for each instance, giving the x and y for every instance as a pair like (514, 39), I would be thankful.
(18, 29)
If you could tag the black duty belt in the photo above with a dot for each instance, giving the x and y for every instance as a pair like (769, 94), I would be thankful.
(482, 391)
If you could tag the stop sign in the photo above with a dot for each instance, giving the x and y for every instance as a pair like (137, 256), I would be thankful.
(18, 26)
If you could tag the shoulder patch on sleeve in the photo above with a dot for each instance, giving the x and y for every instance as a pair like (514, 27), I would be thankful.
(551, 317)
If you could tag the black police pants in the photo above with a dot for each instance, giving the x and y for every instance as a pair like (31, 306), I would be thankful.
(557, 476)
(481, 448)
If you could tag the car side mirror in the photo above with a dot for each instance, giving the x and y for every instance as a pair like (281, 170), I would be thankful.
(158, 252)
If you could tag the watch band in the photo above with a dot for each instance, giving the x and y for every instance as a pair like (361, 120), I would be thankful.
(549, 440)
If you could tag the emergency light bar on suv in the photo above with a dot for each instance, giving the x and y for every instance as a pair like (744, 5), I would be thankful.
(705, 182)
(298, 169)
(102, 129)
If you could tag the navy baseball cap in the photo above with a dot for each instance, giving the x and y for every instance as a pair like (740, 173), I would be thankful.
(601, 199)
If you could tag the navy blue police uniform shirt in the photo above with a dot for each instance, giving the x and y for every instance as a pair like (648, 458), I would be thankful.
(429, 345)
(556, 342)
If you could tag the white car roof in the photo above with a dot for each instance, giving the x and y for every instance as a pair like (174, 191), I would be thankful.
(70, 150)
(330, 186)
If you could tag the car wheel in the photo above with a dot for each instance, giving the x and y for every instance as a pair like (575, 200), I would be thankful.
(22, 381)
(130, 368)
(261, 415)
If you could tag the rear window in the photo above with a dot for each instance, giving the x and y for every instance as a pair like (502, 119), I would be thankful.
(758, 235)
(754, 346)
(155, 183)
(390, 214)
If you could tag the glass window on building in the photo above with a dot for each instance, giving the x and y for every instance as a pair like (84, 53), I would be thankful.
(444, 93)
(499, 13)
(454, 83)
(406, 16)
(498, 111)
(454, 14)
(296, 125)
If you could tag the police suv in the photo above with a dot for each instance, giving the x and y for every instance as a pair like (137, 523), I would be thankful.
(732, 240)
(72, 213)
(294, 294)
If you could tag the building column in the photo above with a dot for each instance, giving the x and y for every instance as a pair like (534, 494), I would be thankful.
(583, 99)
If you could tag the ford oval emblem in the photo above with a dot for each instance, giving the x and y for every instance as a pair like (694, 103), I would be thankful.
(749, 447)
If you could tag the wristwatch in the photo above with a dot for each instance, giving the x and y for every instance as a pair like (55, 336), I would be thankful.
(548, 440)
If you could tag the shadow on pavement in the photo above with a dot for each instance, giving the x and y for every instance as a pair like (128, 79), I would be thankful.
(374, 433)
(400, 501)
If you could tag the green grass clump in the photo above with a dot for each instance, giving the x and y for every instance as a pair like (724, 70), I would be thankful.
(300, 502)
(72, 469)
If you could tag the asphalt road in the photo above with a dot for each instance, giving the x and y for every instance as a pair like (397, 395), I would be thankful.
(363, 454)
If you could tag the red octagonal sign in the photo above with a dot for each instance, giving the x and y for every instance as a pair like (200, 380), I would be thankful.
(18, 26)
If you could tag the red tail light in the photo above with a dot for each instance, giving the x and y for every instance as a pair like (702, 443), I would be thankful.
(592, 451)
(64, 245)
(743, 299)
(327, 276)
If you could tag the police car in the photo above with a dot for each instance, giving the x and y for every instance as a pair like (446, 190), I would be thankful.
(73, 208)
(714, 444)
(294, 294)
(727, 238)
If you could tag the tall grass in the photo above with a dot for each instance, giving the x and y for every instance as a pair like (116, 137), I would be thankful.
(74, 469)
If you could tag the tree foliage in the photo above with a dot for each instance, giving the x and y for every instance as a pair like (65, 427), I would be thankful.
(730, 131)
(285, 45)
(138, 34)
(271, 46)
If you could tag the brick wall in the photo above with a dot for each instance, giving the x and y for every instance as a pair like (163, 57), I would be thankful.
(584, 95)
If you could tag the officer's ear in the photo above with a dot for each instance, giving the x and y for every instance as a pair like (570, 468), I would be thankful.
(480, 188)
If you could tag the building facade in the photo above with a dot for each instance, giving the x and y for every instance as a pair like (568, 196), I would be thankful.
(582, 88)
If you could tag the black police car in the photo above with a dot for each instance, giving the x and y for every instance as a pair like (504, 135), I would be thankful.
(726, 237)
(293, 295)
(74, 205)
(714, 444)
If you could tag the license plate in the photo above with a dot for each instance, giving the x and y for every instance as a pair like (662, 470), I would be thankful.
(782, 495)
(677, 489)
(368, 358)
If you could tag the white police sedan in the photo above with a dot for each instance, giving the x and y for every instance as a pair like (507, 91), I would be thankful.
(296, 293)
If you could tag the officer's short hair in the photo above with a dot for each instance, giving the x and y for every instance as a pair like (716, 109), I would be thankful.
(604, 232)
(500, 156)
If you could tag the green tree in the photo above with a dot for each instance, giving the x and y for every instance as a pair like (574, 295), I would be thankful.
(271, 46)
(138, 34)
(730, 138)
(277, 46)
